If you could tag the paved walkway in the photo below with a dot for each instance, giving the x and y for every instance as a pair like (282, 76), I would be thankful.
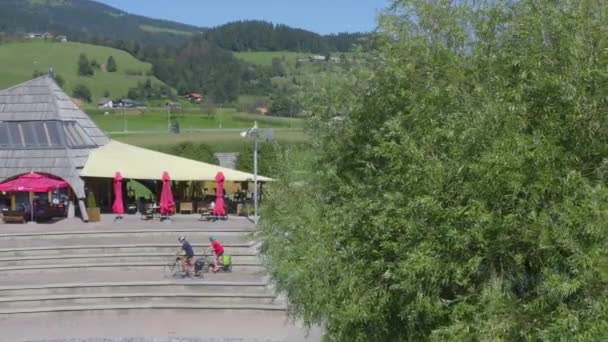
(164, 326)
(130, 222)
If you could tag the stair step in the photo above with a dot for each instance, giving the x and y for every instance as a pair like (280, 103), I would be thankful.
(252, 267)
(149, 306)
(141, 297)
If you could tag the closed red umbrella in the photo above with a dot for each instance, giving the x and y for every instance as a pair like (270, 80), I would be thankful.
(220, 207)
(118, 206)
(167, 204)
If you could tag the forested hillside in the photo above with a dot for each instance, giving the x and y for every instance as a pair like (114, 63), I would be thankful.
(84, 19)
(256, 35)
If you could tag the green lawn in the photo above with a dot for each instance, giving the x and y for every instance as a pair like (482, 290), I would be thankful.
(19, 60)
(155, 119)
(220, 141)
(155, 29)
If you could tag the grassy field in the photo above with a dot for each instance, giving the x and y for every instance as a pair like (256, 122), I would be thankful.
(220, 141)
(19, 60)
(154, 29)
(155, 119)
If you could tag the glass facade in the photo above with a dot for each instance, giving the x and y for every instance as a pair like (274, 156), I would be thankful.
(43, 135)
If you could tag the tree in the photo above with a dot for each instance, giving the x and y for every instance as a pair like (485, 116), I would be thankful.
(458, 194)
(278, 70)
(84, 67)
(111, 65)
(106, 94)
(82, 92)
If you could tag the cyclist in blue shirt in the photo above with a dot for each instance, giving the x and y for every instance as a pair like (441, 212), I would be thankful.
(188, 255)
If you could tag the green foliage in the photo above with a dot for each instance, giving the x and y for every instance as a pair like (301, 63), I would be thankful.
(278, 69)
(111, 65)
(91, 202)
(203, 67)
(199, 152)
(82, 92)
(37, 73)
(84, 66)
(283, 105)
(459, 193)
(59, 80)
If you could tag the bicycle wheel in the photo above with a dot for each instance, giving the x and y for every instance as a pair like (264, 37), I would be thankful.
(170, 269)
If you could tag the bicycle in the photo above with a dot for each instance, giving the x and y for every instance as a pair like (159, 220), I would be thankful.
(173, 268)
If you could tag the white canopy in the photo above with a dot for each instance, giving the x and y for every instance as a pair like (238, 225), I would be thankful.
(140, 163)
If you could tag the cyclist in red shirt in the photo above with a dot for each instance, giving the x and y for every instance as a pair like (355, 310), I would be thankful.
(218, 250)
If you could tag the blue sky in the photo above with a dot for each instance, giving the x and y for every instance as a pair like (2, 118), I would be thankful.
(323, 16)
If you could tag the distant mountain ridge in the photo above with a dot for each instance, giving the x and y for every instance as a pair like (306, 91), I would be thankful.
(91, 21)
(85, 19)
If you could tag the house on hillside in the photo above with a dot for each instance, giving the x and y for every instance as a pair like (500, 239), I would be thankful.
(195, 97)
(127, 103)
(317, 58)
(105, 103)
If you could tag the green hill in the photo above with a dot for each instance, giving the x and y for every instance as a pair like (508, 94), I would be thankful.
(20, 60)
(83, 20)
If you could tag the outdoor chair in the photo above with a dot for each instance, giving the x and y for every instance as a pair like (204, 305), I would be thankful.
(186, 207)
(146, 211)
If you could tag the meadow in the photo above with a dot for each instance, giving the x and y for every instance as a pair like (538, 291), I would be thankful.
(26, 57)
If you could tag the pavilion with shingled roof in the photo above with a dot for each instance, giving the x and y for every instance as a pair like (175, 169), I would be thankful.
(43, 131)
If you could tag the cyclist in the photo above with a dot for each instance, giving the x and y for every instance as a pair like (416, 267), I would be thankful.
(218, 250)
(188, 254)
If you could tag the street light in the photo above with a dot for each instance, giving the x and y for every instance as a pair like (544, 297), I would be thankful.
(254, 133)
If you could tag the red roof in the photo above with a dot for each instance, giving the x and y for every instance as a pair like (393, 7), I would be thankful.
(196, 95)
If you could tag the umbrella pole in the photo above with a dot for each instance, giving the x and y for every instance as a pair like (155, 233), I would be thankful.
(32, 207)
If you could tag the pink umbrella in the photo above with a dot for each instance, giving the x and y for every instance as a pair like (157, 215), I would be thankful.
(118, 207)
(167, 204)
(33, 182)
(219, 209)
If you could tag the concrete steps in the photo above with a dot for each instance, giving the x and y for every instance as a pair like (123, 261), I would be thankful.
(137, 298)
(149, 307)
(124, 258)
(121, 269)
(66, 250)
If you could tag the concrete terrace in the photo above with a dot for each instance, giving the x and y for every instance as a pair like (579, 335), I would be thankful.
(71, 281)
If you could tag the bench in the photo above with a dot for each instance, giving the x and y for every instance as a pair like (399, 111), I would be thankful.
(12, 216)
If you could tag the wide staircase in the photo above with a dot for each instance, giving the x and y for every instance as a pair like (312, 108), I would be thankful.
(47, 269)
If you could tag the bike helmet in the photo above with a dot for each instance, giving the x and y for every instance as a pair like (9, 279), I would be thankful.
(211, 238)
(181, 239)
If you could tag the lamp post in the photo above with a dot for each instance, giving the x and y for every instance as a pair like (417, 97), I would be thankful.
(254, 133)
(168, 117)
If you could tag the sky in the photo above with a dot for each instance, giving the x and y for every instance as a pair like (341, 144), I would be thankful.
(322, 16)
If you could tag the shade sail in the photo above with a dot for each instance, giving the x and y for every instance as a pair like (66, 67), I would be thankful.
(140, 163)
(33, 182)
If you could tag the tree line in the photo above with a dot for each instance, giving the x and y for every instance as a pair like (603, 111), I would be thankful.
(254, 35)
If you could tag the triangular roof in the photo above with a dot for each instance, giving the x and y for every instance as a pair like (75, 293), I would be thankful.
(140, 163)
(37, 107)
(41, 99)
